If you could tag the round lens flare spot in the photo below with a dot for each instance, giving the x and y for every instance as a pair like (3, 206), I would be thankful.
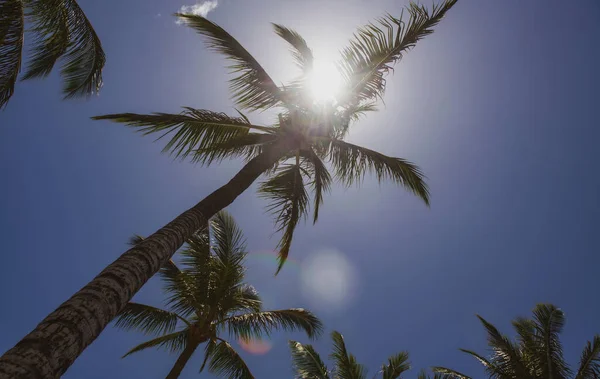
(324, 81)
(255, 347)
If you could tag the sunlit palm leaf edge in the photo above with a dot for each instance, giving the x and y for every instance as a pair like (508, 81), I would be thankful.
(60, 30)
(312, 134)
(537, 351)
(206, 297)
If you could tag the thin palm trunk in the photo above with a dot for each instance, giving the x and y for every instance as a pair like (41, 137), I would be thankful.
(183, 359)
(50, 349)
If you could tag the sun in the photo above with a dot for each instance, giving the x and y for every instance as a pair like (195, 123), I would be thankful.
(324, 82)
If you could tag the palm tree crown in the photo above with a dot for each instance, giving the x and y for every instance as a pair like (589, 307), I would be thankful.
(207, 298)
(536, 354)
(306, 134)
(309, 365)
(60, 29)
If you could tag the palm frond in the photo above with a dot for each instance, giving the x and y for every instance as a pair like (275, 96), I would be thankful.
(198, 264)
(252, 87)
(302, 54)
(11, 46)
(376, 47)
(181, 290)
(245, 299)
(288, 202)
(589, 364)
(321, 179)
(174, 342)
(351, 162)
(507, 357)
(307, 362)
(84, 59)
(449, 374)
(549, 321)
(245, 146)
(346, 366)
(225, 362)
(147, 319)
(260, 324)
(51, 35)
(194, 129)
(229, 241)
(208, 351)
(485, 362)
(397, 364)
(531, 345)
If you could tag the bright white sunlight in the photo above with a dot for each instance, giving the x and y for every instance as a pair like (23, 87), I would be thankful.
(324, 81)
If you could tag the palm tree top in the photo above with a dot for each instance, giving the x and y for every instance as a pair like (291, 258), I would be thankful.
(60, 30)
(306, 134)
(207, 299)
(537, 352)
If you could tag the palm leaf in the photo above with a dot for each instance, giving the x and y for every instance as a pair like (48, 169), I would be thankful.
(84, 60)
(208, 350)
(246, 146)
(259, 324)
(376, 47)
(181, 290)
(50, 21)
(245, 298)
(135, 240)
(589, 366)
(550, 321)
(307, 362)
(147, 319)
(194, 129)
(449, 374)
(252, 88)
(507, 359)
(174, 342)
(288, 202)
(198, 262)
(300, 51)
(321, 179)
(351, 162)
(11, 46)
(225, 361)
(531, 345)
(346, 366)
(396, 366)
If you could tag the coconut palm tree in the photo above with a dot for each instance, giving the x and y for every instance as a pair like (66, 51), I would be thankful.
(59, 29)
(206, 299)
(291, 153)
(536, 353)
(308, 364)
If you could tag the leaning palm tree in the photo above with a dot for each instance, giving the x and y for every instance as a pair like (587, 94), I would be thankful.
(207, 298)
(291, 152)
(308, 364)
(537, 352)
(60, 30)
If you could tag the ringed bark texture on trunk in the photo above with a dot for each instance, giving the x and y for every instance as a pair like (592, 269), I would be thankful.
(52, 347)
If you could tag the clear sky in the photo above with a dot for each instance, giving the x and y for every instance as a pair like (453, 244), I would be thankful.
(499, 107)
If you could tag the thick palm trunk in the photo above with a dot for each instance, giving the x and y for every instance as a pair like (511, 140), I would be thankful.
(183, 359)
(50, 349)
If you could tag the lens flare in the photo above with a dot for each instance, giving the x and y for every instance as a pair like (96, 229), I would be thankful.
(255, 347)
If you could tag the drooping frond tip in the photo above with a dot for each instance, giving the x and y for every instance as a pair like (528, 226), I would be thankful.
(11, 46)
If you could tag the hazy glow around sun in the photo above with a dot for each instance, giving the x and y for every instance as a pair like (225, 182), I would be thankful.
(324, 81)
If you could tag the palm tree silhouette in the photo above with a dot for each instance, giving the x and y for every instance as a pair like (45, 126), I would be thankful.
(207, 299)
(536, 354)
(291, 153)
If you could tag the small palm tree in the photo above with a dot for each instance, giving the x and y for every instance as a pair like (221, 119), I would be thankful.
(537, 352)
(207, 298)
(309, 365)
(292, 153)
(60, 29)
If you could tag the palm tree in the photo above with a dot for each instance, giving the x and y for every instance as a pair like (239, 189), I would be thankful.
(60, 29)
(309, 365)
(291, 153)
(207, 298)
(537, 352)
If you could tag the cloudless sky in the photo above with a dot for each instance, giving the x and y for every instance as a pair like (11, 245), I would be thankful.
(498, 107)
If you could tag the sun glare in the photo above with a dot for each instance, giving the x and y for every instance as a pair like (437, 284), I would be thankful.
(324, 81)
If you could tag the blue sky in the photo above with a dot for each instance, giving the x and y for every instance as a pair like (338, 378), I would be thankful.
(498, 107)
